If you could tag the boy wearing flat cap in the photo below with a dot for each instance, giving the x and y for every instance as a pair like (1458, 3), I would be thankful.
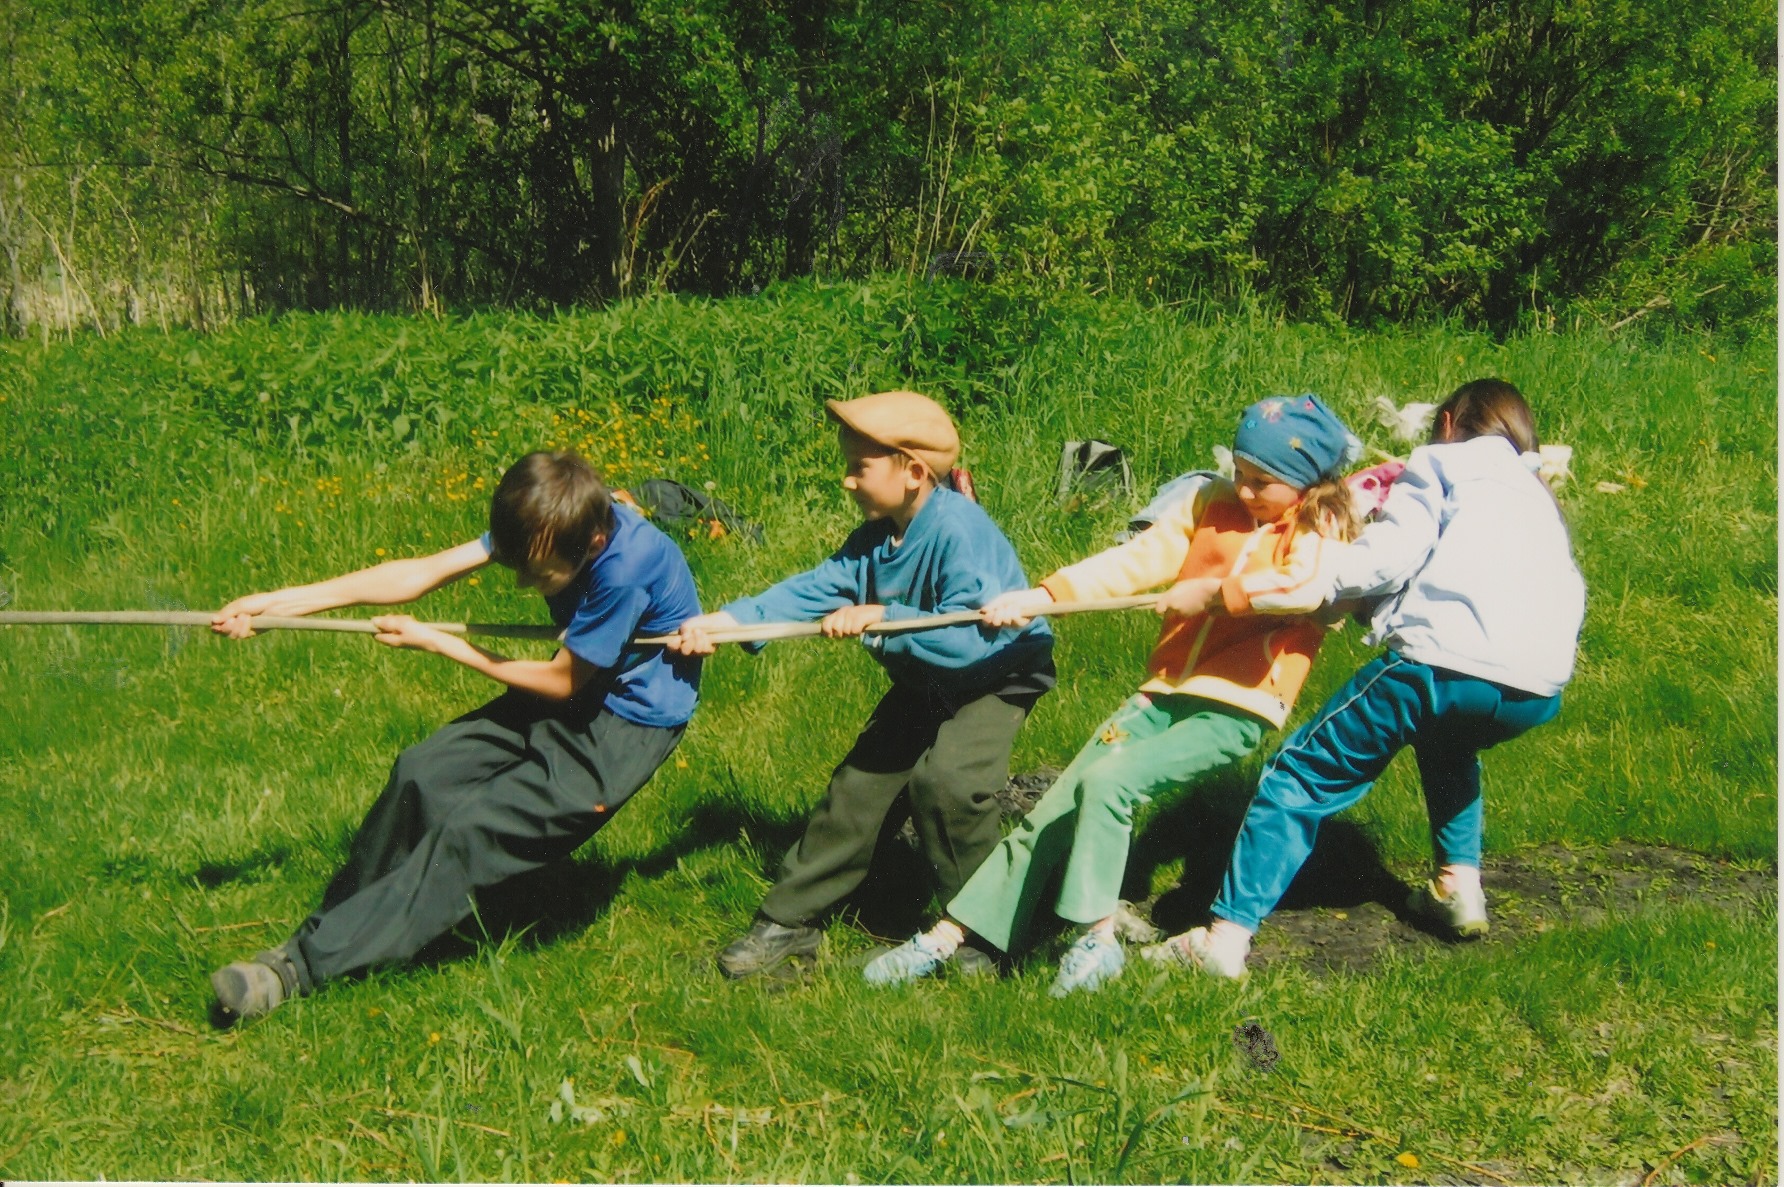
(938, 744)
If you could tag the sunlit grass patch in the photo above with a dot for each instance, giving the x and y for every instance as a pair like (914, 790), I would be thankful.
(174, 801)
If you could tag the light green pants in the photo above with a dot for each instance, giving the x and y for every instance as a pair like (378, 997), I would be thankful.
(1085, 821)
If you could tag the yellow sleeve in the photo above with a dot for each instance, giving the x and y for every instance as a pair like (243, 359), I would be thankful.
(1291, 586)
(1150, 559)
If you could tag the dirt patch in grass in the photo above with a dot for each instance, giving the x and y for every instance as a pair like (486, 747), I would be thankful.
(1346, 909)
(1528, 892)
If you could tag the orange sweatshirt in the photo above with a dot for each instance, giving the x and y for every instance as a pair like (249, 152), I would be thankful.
(1254, 651)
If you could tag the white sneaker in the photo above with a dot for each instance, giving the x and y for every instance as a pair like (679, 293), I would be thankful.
(919, 956)
(1091, 960)
(1195, 949)
(1464, 911)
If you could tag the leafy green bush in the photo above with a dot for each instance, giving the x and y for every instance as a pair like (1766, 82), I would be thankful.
(1355, 162)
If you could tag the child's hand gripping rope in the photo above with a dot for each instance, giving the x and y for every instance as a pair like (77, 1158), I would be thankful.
(1184, 599)
(402, 630)
(1188, 598)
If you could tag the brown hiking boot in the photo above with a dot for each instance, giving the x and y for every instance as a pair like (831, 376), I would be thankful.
(251, 988)
(768, 945)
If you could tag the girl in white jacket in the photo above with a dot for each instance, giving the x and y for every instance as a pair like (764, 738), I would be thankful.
(1477, 597)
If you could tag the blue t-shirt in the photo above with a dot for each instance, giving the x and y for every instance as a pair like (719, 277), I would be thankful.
(639, 584)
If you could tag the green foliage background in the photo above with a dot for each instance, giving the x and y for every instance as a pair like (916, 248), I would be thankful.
(180, 161)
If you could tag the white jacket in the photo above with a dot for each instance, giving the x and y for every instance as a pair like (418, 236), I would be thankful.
(1472, 562)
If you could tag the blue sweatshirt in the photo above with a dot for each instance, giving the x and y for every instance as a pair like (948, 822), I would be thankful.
(951, 558)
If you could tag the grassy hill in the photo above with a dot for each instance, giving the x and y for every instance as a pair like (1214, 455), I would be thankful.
(174, 801)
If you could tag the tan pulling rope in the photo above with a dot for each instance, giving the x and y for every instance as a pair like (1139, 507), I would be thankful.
(763, 632)
(262, 622)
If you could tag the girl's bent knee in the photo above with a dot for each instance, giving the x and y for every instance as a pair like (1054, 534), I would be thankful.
(1112, 799)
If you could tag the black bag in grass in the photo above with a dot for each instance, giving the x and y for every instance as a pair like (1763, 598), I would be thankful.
(682, 511)
(1089, 469)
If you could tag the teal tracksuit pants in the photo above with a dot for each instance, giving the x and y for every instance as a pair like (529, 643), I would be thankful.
(1149, 746)
(1331, 762)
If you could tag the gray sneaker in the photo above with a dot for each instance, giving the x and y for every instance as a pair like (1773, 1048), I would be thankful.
(1194, 950)
(969, 961)
(1133, 928)
(767, 946)
(252, 988)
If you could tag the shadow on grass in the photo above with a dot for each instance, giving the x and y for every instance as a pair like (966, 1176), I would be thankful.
(252, 868)
(1344, 871)
(564, 898)
(895, 900)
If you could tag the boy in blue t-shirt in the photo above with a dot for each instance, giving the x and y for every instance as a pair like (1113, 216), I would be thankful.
(938, 744)
(527, 778)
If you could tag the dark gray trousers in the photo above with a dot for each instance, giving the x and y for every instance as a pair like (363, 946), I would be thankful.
(952, 764)
(507, 788)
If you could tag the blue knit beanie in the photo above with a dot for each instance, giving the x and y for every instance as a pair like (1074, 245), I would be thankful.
(1295, 438)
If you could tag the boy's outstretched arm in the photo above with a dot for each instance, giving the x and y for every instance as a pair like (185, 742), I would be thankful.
(556, 679)
(388, 584)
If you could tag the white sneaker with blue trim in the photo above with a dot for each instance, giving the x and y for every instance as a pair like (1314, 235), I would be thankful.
(1091, 960)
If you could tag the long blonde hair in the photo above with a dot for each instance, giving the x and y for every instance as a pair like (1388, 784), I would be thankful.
(1327, 508)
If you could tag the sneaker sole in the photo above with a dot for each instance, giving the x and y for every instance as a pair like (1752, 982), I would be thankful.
(229, 992)
(1423, 909)
(1165, 958)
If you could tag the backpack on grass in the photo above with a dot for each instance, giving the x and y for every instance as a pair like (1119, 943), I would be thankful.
(680, 510)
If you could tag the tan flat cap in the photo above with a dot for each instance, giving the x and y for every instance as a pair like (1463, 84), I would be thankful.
(904, 421)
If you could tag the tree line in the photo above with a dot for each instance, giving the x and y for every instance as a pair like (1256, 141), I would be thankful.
(1496, 161)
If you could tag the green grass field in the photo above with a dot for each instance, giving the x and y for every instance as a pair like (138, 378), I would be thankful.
(174, 801)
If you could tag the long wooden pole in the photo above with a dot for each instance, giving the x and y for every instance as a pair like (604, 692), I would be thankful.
(263, 622)
(755, 633)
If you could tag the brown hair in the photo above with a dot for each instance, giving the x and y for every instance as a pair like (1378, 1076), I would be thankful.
(1327, 508)
(546, 512)
(1487, 408)
(1492, 408)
